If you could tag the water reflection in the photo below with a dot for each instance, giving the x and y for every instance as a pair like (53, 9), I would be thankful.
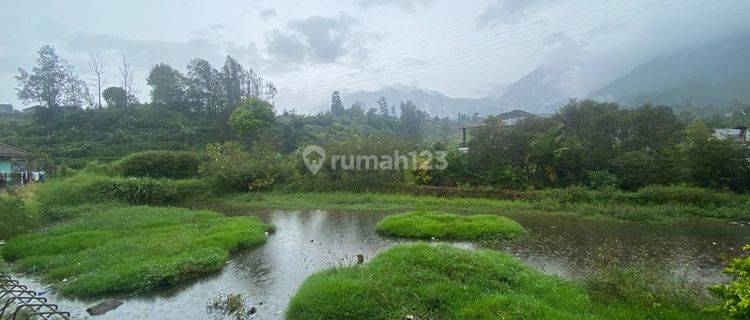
(309, 241)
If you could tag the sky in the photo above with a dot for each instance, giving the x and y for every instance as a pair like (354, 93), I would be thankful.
(308, 49)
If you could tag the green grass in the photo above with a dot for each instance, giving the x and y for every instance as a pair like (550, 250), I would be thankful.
(620, 206)
(110, 249)
(442, 225)
(15, 217)
(443, 282)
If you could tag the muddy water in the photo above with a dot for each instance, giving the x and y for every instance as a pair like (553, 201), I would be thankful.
(309, 241)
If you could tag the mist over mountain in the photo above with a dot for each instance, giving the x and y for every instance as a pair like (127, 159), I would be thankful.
(435, 103)
(717, 74)
(712, 74)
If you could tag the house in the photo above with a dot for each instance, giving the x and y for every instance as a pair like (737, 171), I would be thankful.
(513, 117)
(737, 133)
(12, 160)
(464, 147)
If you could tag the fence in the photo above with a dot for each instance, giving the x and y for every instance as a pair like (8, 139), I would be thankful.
(18, 302)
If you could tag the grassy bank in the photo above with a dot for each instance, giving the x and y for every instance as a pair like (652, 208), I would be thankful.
(662, 204)
(441, 225)
(111, 248)
(444, 282)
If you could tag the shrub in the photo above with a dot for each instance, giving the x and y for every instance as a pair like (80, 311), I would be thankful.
(682, 194)
(232, 168)
(602, 180)
(159, 164)
(735, 295)
(569, 195)
(14, 217)
(443, 225)
(54, 196)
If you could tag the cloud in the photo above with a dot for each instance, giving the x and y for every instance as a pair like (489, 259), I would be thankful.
(213, 30)
(406, 5)
(286, 47)
(317, 39)
(267, 13)
(507, 11)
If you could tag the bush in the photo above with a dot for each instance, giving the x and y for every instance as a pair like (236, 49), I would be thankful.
(735, 295)
(54, 196)
(232, 168)
(443, 225)
(159, 164)
(682, 194)
(14, 217)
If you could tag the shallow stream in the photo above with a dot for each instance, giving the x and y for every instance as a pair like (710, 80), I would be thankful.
(307, 241)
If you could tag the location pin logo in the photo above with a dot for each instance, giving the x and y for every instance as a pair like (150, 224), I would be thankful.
(314, 157)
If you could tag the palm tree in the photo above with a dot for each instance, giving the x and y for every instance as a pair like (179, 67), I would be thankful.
(547, 151)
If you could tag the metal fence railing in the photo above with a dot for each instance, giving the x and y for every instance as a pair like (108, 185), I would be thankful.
(18, 302)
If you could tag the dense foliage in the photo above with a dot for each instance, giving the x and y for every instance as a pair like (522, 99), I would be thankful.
(589, 143)
(159, 164)
(54, 197)
(735, 295)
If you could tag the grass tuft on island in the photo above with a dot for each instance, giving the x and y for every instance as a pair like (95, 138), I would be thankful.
(442, 225)
(427, 281)
(116, 249)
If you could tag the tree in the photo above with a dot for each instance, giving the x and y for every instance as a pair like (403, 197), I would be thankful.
(51, 82)
(253, 117)
(233, 76)
(167, 85)
(126, 80)
(337, 107)
(411, 120)
(96, 65)
(383, 106)
(253, 84)
(203, 85)
(357, 110)
(271, 92)
(115, 97)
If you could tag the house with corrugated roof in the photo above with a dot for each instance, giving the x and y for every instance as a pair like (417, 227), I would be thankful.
(11, 160)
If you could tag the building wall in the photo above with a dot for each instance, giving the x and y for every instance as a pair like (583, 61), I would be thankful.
(5, 165)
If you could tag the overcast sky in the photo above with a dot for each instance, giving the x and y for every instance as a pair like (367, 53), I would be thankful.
(309, 48)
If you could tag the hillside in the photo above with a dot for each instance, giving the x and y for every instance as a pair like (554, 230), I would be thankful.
(715, 73)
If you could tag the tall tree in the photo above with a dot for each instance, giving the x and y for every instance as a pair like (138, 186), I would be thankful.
(203, 85)
(383, 106)
(233, 76)
(253, 84)
(271, 93)
(167, 85)
(96, 65)
(126, 80)
(411, 120)
(337, 107)
(51, 82)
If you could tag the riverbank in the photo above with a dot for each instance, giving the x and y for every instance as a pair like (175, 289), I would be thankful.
(649, 206)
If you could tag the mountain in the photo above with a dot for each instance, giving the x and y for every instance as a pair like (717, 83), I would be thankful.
(435, 103)
(715, 73)
(540, 91)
